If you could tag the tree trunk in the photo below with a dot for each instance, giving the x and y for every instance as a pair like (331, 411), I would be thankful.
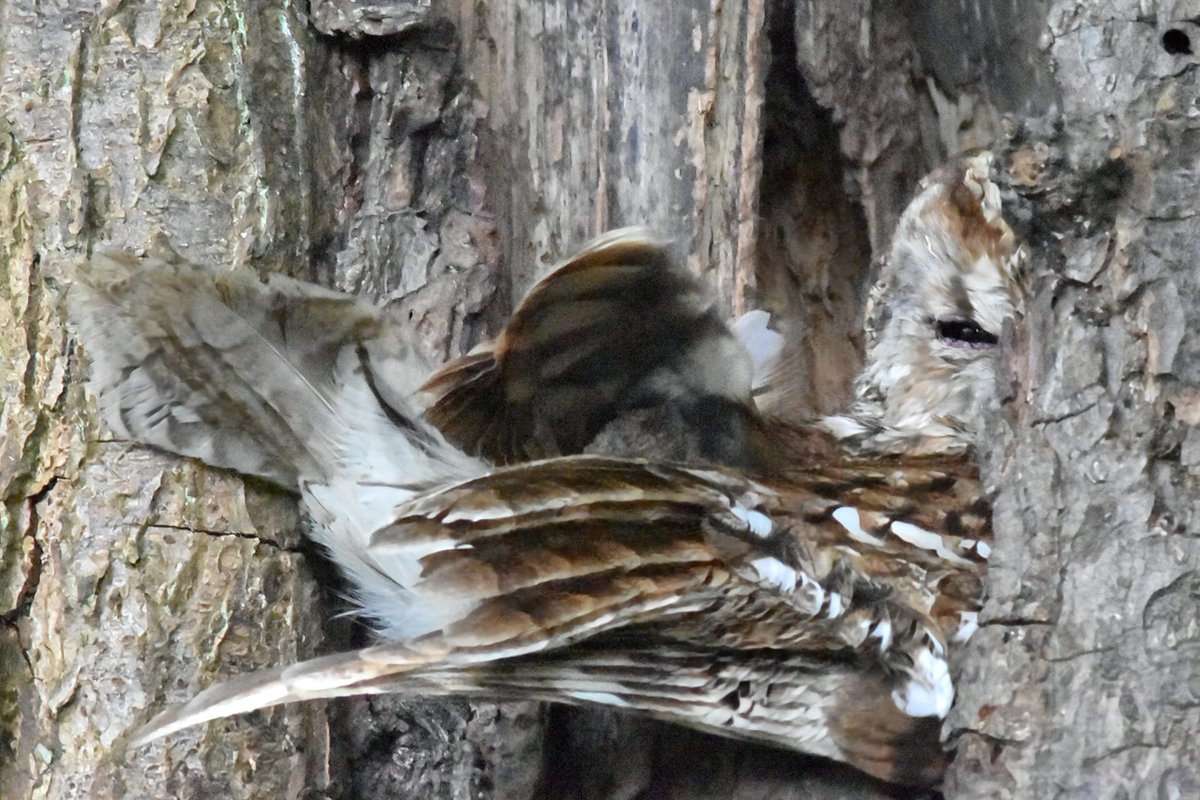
(1085, 678)
(442, 159)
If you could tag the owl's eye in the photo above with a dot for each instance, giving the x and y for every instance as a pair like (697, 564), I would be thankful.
(958, 332)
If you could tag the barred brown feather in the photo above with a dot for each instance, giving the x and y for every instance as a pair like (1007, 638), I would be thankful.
(548, 562)
(796, 583)
(619, 329)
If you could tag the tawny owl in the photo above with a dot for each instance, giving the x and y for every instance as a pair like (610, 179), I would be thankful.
(794, 583)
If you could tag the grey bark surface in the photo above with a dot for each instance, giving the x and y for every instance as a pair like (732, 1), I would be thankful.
(441, 157)
(1085, 679)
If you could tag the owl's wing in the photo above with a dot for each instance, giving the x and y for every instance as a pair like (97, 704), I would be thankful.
(530, 562)
(819, 705)
(275, 378)
(619, 333)
(829, 707)
(279, 379)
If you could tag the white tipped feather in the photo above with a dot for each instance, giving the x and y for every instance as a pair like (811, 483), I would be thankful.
(929, 692)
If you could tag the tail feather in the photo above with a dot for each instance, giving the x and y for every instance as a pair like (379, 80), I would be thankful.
(818, 706)
(178, 363)
(279, 379)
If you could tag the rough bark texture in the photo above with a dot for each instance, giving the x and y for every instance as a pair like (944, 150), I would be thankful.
(128, 576)
(441, 158)
(1085, 680)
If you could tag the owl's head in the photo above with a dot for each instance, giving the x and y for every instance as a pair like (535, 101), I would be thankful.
(953, 275)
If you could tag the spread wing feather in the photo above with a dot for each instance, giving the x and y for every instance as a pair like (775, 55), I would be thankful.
(278, 379)
(620, 335)
(808, 703)
(541, 572)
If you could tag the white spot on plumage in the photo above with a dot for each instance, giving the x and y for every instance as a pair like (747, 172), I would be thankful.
(815, 591)
(837, 604)
(929, 692)
(774, 571)
(763, 344)
(758, 522)
(479, 514)
(883, 632)
(843, 427)
(984, 549)
(926, 540)
(600, 698)
(968, 623)
(849, 519)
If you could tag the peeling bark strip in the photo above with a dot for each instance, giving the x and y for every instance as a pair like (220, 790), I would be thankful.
(442, 160)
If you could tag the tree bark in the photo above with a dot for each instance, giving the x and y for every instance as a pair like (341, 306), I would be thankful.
(442, 159)
(1085, 678)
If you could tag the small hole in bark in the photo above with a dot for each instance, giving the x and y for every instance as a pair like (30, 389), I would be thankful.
(1177, 43)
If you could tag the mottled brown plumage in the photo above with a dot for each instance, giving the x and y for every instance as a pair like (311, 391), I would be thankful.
(559, 566)
(617, 339)
(794, 583)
